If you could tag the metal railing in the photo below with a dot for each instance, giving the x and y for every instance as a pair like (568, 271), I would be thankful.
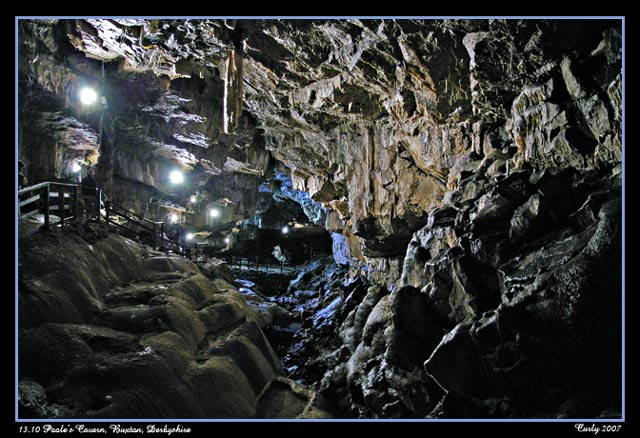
(256, 265)
(64, 201)
(198, 253)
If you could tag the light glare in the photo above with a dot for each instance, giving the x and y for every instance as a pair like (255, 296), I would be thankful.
(176, 177)
(88, 96)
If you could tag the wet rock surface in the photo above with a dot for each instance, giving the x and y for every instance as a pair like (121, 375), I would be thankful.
(112, 329)
(469, 173)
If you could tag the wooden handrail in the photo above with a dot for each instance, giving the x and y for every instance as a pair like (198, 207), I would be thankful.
(156, 229)
(137, 216)
(31, 188)
(112, 212)
(29, 201)
(62, 184)
(46, 189)
(48, 196)
(43, 184)
(132, 213)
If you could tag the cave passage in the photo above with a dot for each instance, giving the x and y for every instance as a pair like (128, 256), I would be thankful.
(322, 218)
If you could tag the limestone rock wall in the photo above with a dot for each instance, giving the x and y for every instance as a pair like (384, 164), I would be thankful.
(381, 119)
(469, 169)
(377, 119)
(148, 126)
(505, 309)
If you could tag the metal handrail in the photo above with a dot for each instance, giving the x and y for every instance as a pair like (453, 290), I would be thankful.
(256, 264)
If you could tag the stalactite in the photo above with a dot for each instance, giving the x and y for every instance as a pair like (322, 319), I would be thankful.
(225, 97)
(233, 89)
(237, 86)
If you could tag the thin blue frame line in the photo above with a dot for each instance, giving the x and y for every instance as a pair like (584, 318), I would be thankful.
(623, 228)
(15, 265)
(329, 420)
(537, 420)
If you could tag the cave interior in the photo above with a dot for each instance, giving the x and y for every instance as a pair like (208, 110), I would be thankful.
(319, 218)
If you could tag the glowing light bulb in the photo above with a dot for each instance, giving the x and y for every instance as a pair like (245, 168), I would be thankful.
(227, 240)
(189, 236)
(88, 96)
(285, 229)
(176, 177)
(75, 167)
(173, 217)
(193, 199)
(214, 212)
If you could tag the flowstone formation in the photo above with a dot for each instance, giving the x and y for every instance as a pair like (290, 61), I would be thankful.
(111, 329)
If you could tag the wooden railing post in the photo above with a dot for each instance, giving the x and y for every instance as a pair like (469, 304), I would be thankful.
(45, 197)
(99, 196)
(61, 205)
(76, 203)
(107, 209)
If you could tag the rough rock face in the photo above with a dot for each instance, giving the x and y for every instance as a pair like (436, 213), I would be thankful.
(375, 119)
(147, 128)
(399, 112)
(470, 170)
(499, 312)
(109, 329)
(523, 294)
(493, 140)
